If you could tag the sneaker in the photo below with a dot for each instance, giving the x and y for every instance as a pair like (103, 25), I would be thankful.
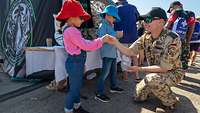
(116, 90)
(80, 110)
(102, 98)
(167, 109)
(91, 76)
(52, 86)
(60, 86)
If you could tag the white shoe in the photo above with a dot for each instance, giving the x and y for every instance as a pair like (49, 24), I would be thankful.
(91, 76)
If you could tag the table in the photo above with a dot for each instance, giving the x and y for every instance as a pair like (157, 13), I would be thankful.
(39, 58)
(53, 58)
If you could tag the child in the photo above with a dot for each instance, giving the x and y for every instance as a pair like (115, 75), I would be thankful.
(74, 15)
(108, 54)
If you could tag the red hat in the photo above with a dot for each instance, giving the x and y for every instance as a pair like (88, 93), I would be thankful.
(72, 8)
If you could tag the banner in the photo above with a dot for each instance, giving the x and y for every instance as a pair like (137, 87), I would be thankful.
(24, 23)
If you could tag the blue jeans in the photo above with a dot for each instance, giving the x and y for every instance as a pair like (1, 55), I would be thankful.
(75, 69)
(109, 68)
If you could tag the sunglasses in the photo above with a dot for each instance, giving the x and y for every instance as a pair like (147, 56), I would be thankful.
(150, 19)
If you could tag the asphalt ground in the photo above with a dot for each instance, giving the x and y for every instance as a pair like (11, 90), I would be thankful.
(41, 100)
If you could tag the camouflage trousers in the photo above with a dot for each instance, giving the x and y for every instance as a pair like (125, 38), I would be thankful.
(159, 84)
(185, 54)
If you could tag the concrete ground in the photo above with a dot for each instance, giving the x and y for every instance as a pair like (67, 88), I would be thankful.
(42, 100)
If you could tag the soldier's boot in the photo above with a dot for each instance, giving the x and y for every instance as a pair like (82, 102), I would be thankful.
(167, 109)
(164, 110)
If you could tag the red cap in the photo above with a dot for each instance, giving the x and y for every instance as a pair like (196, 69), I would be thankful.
(72, 8)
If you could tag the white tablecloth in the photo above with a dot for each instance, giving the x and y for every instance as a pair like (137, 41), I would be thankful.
(38, 59)
(60, 58)
(53, 58)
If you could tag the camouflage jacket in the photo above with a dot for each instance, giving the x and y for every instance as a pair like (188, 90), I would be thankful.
(165, 51)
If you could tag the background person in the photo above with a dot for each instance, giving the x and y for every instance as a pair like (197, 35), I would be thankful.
(195, 42)
(183, 24)
(128, 14)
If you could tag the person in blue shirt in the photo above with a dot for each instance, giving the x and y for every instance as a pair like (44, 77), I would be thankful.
(194, 42)
(128, 14)
(108, 54)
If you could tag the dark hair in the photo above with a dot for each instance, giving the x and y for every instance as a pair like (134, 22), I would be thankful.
(62, 23)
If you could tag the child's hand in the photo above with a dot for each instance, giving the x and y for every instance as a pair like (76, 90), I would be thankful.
(120, 34)
(109, 39)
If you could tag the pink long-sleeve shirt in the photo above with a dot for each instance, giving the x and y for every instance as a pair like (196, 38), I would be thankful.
(74, 42)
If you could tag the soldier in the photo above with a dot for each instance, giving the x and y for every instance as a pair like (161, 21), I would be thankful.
(162, 50)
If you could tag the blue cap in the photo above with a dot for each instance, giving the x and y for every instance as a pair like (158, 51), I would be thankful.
(112, 11)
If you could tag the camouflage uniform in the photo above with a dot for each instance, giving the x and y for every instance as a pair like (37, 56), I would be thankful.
(165, 52)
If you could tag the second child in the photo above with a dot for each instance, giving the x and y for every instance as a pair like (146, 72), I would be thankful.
(108, 54)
